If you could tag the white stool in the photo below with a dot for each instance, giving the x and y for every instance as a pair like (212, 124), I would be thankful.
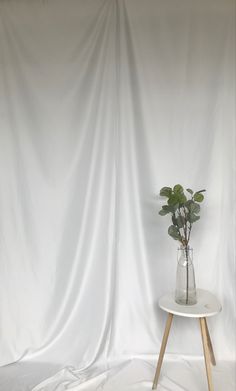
(207, 305)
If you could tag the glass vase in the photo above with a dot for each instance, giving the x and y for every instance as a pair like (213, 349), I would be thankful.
(185, 292)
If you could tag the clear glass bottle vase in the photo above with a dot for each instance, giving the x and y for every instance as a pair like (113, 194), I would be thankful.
(185, 292)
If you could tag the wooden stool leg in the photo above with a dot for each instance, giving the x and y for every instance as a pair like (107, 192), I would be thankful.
(206, 353)
(162, 351)
(213, 360)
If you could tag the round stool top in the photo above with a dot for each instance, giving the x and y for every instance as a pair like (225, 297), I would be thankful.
(207, 305)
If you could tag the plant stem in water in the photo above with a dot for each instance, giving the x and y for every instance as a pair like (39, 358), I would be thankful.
(187, 276)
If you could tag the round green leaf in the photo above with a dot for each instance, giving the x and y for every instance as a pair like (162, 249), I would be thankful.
(173, 208)
(178, 189)
(188, 204)
(163, 212)
(192, 218)
(166, 192)
(190, 191)
(174, 233)
(167, 208)
(173, 200)
(193, 207)
(181, 198)
(198, 197)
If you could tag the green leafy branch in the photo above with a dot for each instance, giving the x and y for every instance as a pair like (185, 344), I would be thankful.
(184, 211)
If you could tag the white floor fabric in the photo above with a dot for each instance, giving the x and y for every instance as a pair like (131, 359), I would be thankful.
(182, 374)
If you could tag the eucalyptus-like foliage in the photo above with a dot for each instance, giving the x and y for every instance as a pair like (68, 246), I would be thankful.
(184, 210)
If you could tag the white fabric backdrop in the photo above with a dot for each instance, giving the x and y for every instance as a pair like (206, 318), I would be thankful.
(103, 102)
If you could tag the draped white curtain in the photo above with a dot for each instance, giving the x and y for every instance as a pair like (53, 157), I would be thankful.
(102, 103)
